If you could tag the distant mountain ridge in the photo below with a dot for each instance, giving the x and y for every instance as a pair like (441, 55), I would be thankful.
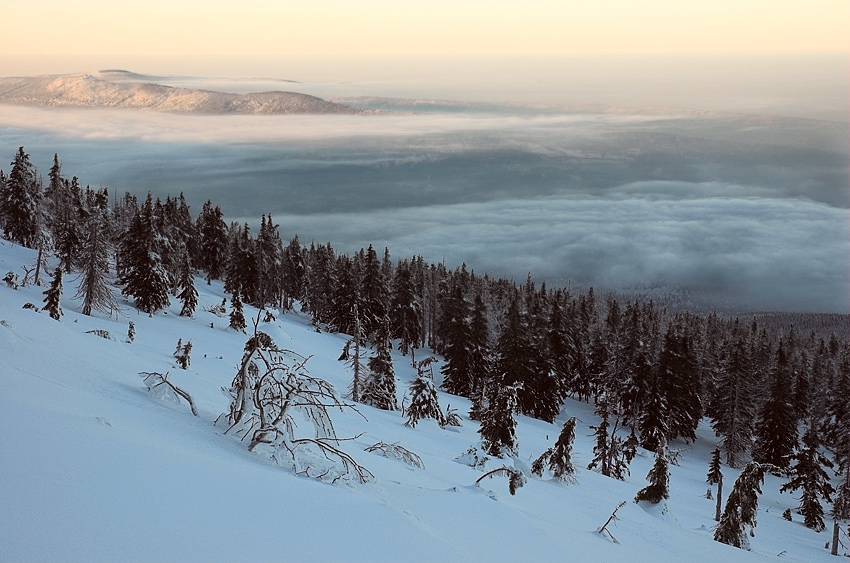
(87, 90)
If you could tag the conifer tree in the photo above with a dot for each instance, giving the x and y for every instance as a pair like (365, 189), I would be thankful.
(213, 245)
(294, 272)
(498, 425)
(66, 223)
(380, 390)
(269, 252)
(19, 202)
(715, 477)
(131, 332)
(182, 353)
(144, 276)
(679, 383)
(457, 371)
(560, 462)
(653, 417)
(94, 290)
(423, 398)
(53, 295)
(188, 294)
(345, 298)
(359, 372)
(776, 428)
(561, 348)
(480, 361)
(808, 474)
(741, 507)
(242, 265)
(611, 455)
(373, 294)
(406, 311)
(733, 408)
(659, 479)
(638, 370)
(537, 393)
(237, 316)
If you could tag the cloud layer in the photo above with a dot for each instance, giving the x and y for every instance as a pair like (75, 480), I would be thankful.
(745, 211)
(719, 241)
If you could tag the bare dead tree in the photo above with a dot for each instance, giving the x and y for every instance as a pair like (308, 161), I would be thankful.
(613, 518)
(273, 391)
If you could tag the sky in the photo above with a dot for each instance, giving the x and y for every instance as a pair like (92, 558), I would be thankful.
(47, 33)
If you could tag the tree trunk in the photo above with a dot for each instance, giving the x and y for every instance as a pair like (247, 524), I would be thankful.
(719, 497)
(835, 530)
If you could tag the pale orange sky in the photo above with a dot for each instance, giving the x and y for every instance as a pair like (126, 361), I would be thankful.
(192, 28)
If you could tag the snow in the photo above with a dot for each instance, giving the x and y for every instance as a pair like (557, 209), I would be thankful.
(95, 468)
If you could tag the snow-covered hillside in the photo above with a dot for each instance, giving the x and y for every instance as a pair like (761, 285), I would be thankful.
(94, 468)
(87, 90)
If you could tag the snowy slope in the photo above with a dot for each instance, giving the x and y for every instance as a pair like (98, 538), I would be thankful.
(93, 468)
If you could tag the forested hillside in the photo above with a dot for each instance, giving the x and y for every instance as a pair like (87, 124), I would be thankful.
(773, 388)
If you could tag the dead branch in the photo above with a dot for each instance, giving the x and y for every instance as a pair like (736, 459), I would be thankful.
(515, 477)
(396, 451)
(154, 380)
(613, 518)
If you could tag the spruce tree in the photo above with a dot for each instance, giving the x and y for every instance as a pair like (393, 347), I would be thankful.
(561, 462)
(457, 371)
(294, 272)
(374, 294)
(182, 353)
(237, 316)
(53, 295)
(498, 425)
(659, 479)
(423, 400)
(653, 417)
(19, 202)
(514, 364)
(94, 289)
(679, 383)
(144, 275)
(380, 390)
(480, 360)
(610, 453)
(808, 474)
(213, 245)
(188, 294)
(733, 404)
(715, 477)
(405, 311)
(776, 428)
(741, 507)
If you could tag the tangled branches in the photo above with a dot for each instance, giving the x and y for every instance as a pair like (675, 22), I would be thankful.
(397, 451)
(271, 393)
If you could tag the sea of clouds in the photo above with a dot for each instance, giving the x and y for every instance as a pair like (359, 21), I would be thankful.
(746, 212)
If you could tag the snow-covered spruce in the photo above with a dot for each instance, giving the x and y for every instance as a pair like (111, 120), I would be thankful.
(423, 397)
(53, 295)
(559, 457)
(659, 479)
